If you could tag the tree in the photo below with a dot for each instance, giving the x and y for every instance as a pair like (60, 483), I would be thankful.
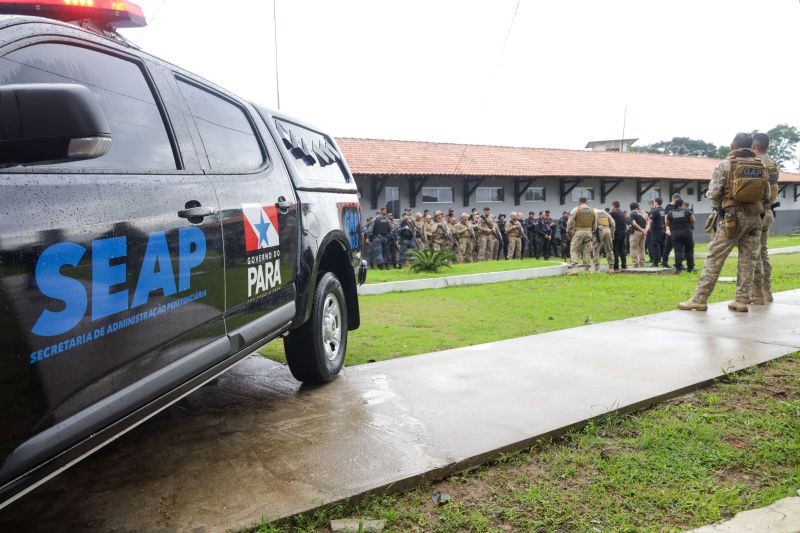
(783, 140)
(682, 146)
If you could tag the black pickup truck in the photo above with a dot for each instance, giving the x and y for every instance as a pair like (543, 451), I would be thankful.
(155, 229)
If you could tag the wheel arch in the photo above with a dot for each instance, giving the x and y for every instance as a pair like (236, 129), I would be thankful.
(335, 256)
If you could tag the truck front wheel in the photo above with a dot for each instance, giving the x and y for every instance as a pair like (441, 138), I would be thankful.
(315, 351)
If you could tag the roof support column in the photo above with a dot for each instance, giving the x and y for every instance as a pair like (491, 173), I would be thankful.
(702, 189)
(607, 187)
(376, 185)
(642, 186)
(796, 194)
(566, 186)
(470, 186)
(521, 186)
(414, 188)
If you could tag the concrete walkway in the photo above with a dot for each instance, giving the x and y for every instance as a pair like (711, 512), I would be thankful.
(257, 445)
(783, 516)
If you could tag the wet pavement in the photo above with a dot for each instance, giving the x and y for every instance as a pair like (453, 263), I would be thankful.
(255, 444)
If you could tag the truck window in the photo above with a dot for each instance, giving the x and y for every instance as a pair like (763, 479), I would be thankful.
(311, 153)
(227, 135)
(139, 136)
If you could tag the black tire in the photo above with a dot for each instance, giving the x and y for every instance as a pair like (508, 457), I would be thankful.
(311, 350)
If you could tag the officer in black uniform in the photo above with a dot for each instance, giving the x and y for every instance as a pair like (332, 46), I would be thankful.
(657, 232)
(668, 244)
(407, 234)
(680, 221)
(620, 233)
(530, 228)
(502, 251)
(381, 230)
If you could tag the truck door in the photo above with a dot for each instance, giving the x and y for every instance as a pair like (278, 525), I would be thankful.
(111, 269)
(258, 211)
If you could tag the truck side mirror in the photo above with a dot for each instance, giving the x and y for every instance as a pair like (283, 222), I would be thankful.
(51, 123)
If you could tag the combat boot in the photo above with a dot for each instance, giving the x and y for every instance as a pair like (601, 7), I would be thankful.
(572, 272)
(738, 306)
(691, 305)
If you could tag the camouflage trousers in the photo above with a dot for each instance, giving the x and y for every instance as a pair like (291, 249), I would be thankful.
(747, 238)
(495, 247)
(581, 246)
(762, 272)
(465, 250)
(485, 246)
(637, 249)
(515, 247)
(437, 245)
(604, 242)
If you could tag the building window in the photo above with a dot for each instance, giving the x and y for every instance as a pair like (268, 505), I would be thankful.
(489, 194)
(783, 193)
(582, 192)
(437, 195)
(652, 194)
(535, 194)
(689, 191)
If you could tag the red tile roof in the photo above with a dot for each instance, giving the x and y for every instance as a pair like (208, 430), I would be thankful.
(376, 156)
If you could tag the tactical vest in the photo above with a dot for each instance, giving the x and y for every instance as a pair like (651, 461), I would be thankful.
(584, 217)
(602, 218)
(772, 175)
(747, 178)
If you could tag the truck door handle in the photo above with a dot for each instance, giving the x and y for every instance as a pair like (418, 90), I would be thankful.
(282, 204)
(196, 212)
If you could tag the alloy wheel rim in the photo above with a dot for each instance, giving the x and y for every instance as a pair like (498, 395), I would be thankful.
(331, 327)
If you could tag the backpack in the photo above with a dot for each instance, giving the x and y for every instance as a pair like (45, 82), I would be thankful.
(748, 180)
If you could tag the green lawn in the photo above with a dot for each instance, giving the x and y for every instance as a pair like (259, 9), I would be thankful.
(694, 460)
(777, 241)
(402, 324)
(380, 276)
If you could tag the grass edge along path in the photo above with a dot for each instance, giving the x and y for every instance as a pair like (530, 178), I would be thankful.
(692, 460)
(401, 324)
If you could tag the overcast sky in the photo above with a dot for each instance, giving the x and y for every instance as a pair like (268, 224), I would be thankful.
(460, 71)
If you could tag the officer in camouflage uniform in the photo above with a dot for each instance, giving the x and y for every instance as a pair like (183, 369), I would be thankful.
(475, 221)
(485, 229)
(514, 231)
(640, 224)
(581, 224)
(419, 223)
(465, 236)
(762, 279)
(438, 233)
(738, 191)
(605, 229)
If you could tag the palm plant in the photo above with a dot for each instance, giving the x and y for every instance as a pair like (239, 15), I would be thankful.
(429, 261)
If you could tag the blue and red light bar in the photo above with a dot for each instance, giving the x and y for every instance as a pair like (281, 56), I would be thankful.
(112, 13)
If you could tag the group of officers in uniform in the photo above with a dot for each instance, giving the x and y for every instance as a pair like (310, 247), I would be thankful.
(743, 193)
(470, 237)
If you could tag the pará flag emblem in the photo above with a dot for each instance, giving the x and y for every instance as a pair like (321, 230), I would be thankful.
(260, 227)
